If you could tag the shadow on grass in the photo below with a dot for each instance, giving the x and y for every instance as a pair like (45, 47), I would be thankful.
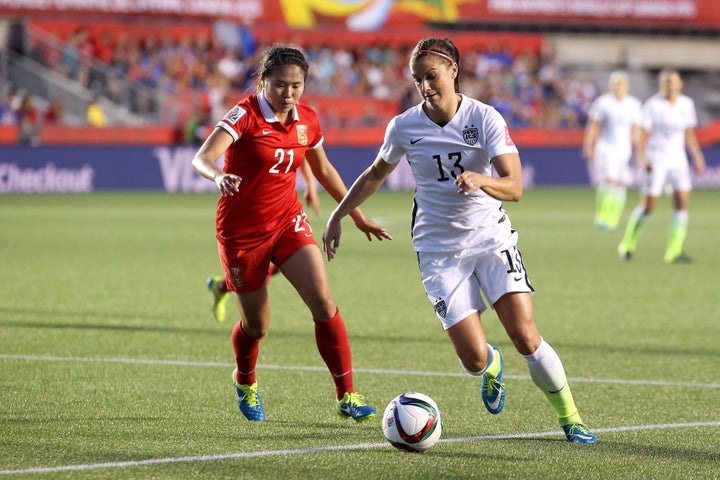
(55, 325)
(623, 449)
(629, 349)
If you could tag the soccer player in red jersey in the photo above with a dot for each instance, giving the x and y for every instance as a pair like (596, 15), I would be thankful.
(260, 220)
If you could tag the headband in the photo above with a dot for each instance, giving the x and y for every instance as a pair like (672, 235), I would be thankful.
(446, 57)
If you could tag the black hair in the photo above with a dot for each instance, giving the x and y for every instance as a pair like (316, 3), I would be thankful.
(279, 55)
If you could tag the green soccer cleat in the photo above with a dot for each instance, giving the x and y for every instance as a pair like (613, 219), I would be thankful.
(492, 389)
(249, 400)
(579, 433)
(353, 406)
(680, 259)
(624, 253)
(220, 299)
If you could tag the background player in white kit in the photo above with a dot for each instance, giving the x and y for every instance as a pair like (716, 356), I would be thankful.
(613, 130)
(465, 244)
(668, 122)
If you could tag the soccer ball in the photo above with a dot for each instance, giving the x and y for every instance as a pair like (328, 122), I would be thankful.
(412, 422)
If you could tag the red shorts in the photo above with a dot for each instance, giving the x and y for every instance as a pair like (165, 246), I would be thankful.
(247, 269)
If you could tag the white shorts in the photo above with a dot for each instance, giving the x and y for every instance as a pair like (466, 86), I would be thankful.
(677, 179)
(609, 166)
(456, 282)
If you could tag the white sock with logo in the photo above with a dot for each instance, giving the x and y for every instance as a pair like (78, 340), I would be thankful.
(546, 370)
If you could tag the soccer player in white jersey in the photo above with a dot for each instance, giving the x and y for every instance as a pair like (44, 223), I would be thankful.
(465, 245)
(668, 123)
(612, 131)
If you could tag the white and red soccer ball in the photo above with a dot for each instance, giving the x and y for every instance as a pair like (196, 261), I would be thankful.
(412, 422)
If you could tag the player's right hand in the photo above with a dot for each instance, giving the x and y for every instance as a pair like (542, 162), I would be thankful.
(228, 184)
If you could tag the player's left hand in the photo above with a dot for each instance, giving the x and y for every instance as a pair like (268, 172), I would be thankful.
(467, 182)
(312, 199)
(372, 229)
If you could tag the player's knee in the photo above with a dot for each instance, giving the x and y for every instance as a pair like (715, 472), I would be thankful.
(255, 328)
(322, 309)
(475, 363)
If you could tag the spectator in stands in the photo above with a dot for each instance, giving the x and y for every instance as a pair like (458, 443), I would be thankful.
(54, 113)
(531, 90)
(196, 128)
(27, 119)
(232, 68)
(9, 106)
(95, 114)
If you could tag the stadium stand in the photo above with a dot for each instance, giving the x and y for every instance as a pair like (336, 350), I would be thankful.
(167, 81)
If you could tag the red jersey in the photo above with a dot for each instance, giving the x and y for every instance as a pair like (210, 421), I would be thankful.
(266, 155)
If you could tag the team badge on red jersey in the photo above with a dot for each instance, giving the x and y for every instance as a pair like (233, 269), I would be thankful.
(234, 115)
(508, 141)
(302, 134)
(470, 135)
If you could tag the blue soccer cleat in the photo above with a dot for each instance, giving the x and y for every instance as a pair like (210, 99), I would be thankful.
(249, 401)
(493, 390)
(579, 433)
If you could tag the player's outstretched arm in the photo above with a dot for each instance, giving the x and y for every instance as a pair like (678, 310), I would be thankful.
(364, 186)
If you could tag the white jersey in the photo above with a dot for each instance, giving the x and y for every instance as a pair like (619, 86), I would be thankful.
(444, 220)
(666, 125)
(616, 118)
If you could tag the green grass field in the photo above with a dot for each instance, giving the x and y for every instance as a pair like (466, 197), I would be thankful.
(112, 367)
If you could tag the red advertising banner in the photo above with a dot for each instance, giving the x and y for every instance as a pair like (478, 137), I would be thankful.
(245, 10)
(679, 13)
(375, 15)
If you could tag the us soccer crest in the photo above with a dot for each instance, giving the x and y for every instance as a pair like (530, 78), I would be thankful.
(441, 308)
(302, 134)
(470, 135)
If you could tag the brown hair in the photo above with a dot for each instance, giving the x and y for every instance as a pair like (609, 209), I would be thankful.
(440, 47)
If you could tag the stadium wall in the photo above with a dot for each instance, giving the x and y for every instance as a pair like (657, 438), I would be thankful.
(72, 169)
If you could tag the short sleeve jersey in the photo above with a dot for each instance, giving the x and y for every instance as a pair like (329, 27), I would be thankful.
(444, 220)
(666, 124)
(616, 118)
(265, 154)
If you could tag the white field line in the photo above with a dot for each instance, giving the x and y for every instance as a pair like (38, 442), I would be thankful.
(331, 448)
(183, 363)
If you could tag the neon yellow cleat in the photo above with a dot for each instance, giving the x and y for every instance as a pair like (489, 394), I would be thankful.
(353, 406)
(220, 299)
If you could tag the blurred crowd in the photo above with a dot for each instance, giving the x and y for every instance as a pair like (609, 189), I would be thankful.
(530, 88)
